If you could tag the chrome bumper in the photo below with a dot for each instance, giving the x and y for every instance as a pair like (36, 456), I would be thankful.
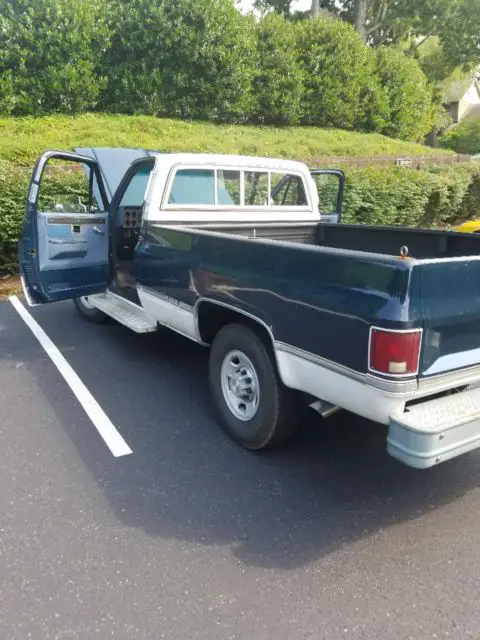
(434, 431)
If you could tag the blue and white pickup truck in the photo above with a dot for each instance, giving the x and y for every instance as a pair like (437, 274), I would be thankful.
(241, 255)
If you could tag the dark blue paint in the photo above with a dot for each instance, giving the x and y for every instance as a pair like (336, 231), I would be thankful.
(320, 300)
(450, 306)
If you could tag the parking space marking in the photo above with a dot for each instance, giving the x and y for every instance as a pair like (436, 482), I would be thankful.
(101, 421)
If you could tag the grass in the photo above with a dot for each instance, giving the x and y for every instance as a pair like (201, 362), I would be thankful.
(23, 139)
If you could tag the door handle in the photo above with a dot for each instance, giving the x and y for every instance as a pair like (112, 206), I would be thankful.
(98, 230)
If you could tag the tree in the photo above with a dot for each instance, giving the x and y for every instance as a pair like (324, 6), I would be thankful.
(341, 88)
(50, 54)
(182, 58)
(318, 8)
(408, 93)
(278, 84)
(456, 23)
(283, 7)
(360, 18)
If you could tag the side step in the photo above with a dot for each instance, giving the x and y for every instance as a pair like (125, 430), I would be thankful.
(124, 311)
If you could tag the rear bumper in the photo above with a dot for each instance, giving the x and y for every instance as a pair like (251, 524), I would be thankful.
(434, 431)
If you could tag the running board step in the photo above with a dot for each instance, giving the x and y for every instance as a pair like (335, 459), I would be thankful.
(124, 311)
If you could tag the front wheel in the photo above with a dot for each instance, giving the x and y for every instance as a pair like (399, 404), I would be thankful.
(252, 404)
(88, 311)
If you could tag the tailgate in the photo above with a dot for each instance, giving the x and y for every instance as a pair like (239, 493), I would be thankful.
(449, 299)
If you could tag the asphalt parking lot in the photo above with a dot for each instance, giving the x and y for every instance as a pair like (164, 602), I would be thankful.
(190, 537)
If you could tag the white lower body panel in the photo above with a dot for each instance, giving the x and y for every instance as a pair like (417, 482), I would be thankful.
(339, 389)
(169, 313)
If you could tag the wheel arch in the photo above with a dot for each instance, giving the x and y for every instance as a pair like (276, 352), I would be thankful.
(212, 315)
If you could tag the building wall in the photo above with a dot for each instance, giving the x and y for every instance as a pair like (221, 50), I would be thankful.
(470, 99)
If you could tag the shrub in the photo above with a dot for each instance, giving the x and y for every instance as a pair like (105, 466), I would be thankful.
(49, 53)
(278, 84)
(410, 111)
(132, 63)
(13, 189)
(340, 85)
(391, 196)
(203, 59)
(463, 138)
(184, 58)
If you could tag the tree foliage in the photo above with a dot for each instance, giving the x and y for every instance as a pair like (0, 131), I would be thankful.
(278, 83)
(187, 58)
(49, 54)
(408, 94)
(341, 88)
(456, 23)
(283, 7)
(196, 59)
(464, 138)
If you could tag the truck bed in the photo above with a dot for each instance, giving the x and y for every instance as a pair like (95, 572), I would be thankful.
(421, 243)
(358, 278)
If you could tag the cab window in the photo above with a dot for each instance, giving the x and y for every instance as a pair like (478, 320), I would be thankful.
(287, 190)
(228, 187)
(135, 192)
(236, 188)
(256, 188)
(69, 187)
(193, 186)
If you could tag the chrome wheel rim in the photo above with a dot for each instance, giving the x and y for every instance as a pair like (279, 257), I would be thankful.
(240, 386)
(86, 302)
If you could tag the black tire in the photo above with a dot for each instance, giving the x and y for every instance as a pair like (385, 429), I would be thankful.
(276, 418)
(90, 314)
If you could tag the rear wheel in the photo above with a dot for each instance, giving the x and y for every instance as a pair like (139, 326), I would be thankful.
(252, 404)
(88, 311)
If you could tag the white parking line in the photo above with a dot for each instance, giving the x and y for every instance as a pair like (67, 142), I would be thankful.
(94, 411)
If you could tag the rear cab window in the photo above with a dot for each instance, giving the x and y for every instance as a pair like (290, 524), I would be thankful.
(233, 188)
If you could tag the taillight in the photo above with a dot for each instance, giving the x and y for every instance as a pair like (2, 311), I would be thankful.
(394, 352)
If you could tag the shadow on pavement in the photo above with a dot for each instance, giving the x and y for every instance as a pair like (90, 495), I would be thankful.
(333, 486)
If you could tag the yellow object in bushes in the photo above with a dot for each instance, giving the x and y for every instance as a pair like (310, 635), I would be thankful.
(472, 226)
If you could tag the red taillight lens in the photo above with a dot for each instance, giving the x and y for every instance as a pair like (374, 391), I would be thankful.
(394, 353)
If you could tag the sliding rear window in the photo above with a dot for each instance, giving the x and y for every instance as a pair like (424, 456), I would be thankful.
(196, 187)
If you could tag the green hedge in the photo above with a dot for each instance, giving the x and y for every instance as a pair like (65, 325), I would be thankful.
(463, 138)
(202, 59)
(436, 197)
(13, 188)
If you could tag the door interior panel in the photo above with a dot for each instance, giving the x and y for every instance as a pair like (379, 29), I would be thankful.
(63, 239)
